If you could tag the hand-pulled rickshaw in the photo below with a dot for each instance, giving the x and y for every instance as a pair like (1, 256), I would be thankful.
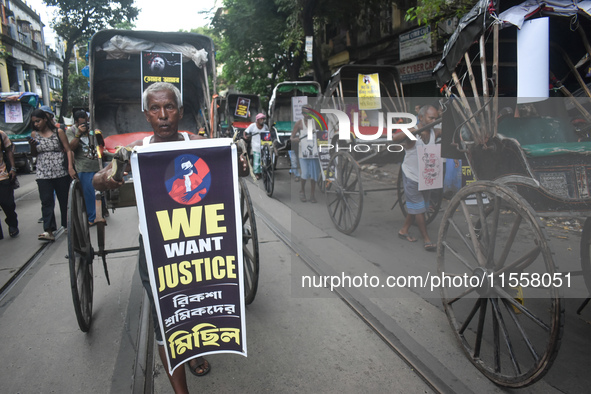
(237, 111)
(509, 320)
(344, 184)
(240, 111)
(116, 110)
(281, 122)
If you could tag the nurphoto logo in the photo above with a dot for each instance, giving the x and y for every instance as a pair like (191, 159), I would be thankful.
(368, 134)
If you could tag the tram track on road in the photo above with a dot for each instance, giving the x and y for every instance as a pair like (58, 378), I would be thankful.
(30, 263)
(439, 378)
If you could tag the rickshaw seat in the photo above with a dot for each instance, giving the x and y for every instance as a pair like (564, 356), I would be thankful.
(544, 136)
(124, 139)
(241, 124)
(116, 140)
(284, 126)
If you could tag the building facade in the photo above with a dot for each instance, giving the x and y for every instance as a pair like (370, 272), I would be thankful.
(25, 66)
(389, 39)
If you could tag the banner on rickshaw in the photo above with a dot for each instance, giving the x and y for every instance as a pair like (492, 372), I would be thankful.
(368, 91)
(430, 166)
(242, 107)
(188, 202)
(161, 67)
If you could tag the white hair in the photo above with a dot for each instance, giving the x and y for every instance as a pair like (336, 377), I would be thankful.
(159, 87)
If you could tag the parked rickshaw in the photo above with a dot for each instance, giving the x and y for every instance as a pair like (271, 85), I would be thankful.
(219, 122)
(116, 109)
(509, 320)
(281, 108)
(15, 120)
(344, 183)
(281, 123)
(240, 111)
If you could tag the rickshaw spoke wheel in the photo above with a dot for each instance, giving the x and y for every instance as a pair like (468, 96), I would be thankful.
(435, 200)
(268, 170)
(250, 245)
(80, 254)
(586, 253)
(344, 192)
(497, 284)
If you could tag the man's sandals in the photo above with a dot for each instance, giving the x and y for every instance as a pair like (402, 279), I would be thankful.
(407, 237)
(430, 247)
(199, 366)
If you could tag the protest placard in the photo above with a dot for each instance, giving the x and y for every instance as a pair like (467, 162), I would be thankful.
(188, 202)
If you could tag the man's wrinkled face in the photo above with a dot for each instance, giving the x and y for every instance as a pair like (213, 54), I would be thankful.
(163, 115)
(430, 116)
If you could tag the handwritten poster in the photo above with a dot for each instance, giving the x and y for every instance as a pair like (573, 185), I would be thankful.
(13, 112)
(297, 103)
(430, 167)
(309, 147)
(323, 152)
(242, 107)
(188, 202)
(368, 90)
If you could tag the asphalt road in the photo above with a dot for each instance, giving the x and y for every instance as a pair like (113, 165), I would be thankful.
(300, 339)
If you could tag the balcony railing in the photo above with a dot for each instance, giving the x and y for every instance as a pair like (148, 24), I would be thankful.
(24, 39)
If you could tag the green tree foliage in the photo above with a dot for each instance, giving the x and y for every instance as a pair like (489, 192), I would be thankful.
(78, 83)
(251, 50)
(77, 20)
(263, 40)
(428, 11)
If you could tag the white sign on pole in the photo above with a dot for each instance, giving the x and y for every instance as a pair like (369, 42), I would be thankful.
(533, 61)
(309, 48)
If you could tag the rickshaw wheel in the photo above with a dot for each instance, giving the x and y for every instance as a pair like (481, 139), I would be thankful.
(344, 192)
(268, 156)
(586, 253)
(250, 245)
(490, 244)
(80, 254)
(435, 200)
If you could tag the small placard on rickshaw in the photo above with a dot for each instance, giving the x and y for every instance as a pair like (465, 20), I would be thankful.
(13, 112)
(555, 182)
(368, 91)
(188, 203)
(266, 138)
(297, 103)
(161, 67)
(242, 107)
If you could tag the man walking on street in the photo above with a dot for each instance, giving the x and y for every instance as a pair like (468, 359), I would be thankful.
(163, 109)
(7, 176)
(417, 202)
